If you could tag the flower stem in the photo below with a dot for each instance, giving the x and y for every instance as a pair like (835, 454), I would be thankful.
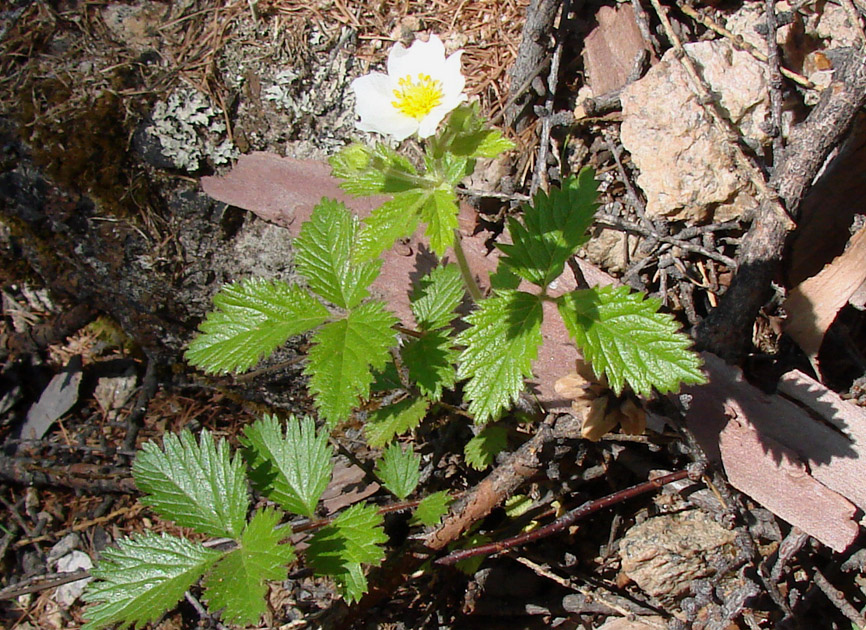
(465, 271)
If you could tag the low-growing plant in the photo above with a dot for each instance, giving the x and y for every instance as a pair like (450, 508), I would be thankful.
(355, 340)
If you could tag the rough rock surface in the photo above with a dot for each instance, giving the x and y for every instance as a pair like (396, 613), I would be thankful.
(664, 554)
(686, 171)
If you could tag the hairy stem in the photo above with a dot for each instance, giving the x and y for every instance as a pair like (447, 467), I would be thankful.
(465, 271)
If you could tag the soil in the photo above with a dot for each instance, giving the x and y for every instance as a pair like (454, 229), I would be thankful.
(109, 116)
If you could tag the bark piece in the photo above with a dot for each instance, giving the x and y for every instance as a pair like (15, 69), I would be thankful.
(611, 47)
(829, 209)
(777, 452)
(812, 305)
(786, 488)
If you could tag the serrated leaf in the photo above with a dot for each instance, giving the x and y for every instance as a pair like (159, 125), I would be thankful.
(624, 337)
(236, 584)
(504, 278)
(439, 212)
(399, 470)
(431, 509)
(436, 296)
(395, 219)
(373, 171)
(343, 356)
(553, 228)
(481, 450)
(291, 469)
(387, 422)
(456, 167)
(143, 577)
(470, 566)
(430, 360)
(471, 137)
(324, 255)
(194, 484)
(352, 582)
(250, 320)
(500, 345)
(353, 538)
(387, 379)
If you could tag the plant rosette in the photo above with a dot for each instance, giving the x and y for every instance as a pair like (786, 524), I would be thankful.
(421, 87)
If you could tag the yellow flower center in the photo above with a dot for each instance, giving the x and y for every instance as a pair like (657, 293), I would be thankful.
(416, 98)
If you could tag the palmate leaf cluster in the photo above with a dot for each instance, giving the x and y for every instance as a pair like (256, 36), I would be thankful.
(351, 335)
(201, 485)
(620, 333)
(354, 350)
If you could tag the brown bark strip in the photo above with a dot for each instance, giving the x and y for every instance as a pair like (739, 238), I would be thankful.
(722, 332)
(91, 478)
(533, 48)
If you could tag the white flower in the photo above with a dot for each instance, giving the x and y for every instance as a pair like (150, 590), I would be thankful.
(421, 87)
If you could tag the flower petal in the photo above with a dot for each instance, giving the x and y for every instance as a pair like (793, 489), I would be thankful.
(421, 57)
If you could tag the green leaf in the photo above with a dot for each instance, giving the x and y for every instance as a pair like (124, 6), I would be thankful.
(440, 214)
(194, 484)
(252, 318)
(481, 450)
(375, 171)
(430, 360)
(517, 505)
(500, 345)
(144, 576)
(324, 251)
(393, 220)
(471, 136)
(436, 296)
(431, 509)
(553, 228)
(353, 538)
(352, 582)
(387, 422)
(504, 278)
(236, 584)
(294, 469)
(342, 358)
(624, 337)
(387, 379)
(470, 566)
(399, 470)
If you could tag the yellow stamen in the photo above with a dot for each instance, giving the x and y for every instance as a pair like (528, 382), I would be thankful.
(416, 98)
